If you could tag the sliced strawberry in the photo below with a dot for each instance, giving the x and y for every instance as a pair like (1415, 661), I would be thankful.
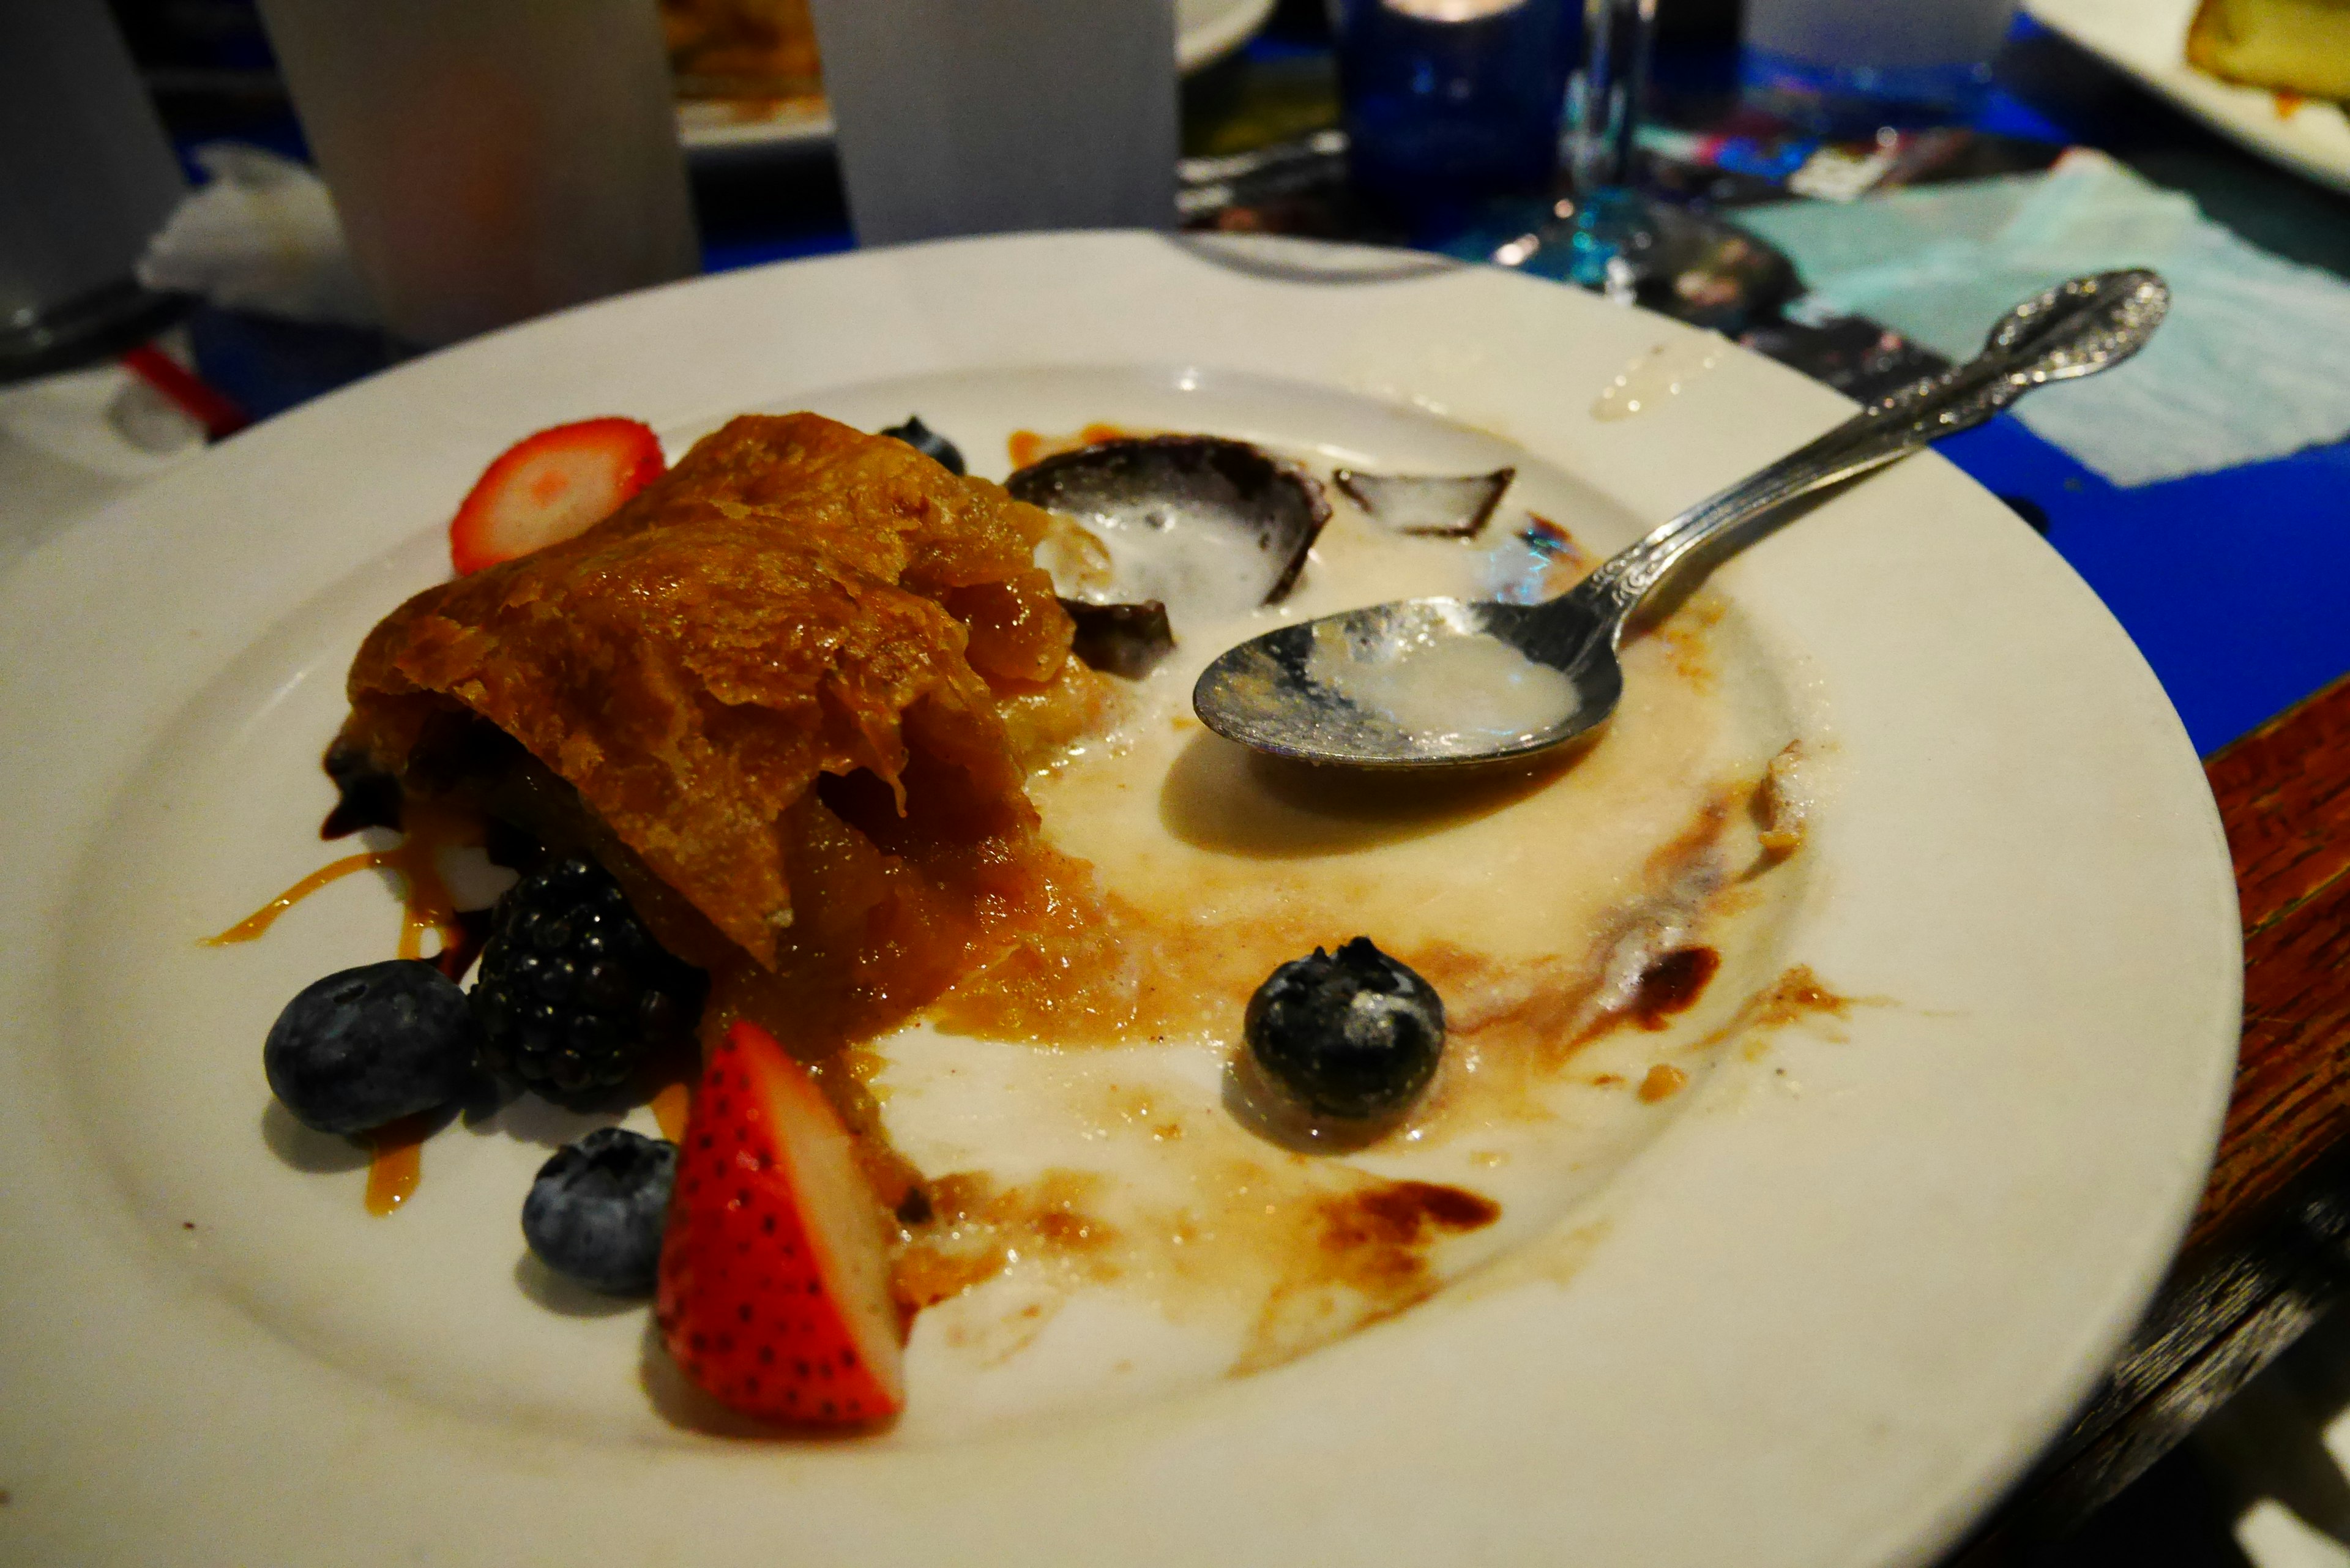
(549, 486)
(775, 1270)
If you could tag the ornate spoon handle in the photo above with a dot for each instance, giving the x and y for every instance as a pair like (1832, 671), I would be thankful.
(2074, 329)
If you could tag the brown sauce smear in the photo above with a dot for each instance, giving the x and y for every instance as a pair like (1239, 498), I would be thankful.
(1672, 984)
(1797, 995)
(1081, 969)
(1350, 1249)
(975, 1227)
(1367, 1259)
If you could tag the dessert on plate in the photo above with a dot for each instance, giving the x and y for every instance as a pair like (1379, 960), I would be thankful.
(1032, 1026)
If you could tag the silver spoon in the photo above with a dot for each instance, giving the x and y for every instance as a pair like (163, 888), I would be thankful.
(1276, 692)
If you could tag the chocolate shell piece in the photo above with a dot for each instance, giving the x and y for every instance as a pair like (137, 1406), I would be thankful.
(1447, 507)
(1205, 525)
(1121, 639)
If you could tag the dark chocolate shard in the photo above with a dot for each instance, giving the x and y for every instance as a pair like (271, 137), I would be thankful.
(1121, 639)
(1443, 506)
(1175, 509)
(367, 796)
(929, 442)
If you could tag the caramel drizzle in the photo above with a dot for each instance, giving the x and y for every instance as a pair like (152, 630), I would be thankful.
(670, 1105)
(428, 904)
(397, 1162)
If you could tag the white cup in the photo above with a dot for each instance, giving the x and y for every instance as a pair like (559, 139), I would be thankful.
(86, 177)
(491, 159)
(964, 117)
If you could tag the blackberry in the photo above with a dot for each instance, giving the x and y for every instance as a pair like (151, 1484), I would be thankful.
(573, 991)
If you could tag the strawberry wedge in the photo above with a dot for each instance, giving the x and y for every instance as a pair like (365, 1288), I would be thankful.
(775, 1270)
(549, 486)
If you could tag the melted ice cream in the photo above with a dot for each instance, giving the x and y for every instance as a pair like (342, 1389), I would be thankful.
(1435, 687)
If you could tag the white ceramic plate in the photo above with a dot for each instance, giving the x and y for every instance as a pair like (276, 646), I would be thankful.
(2148, 38)
(1205, 32)
(1852, 1282)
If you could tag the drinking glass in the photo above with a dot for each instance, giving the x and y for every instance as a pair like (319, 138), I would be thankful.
(491, 159)
(1616, 227)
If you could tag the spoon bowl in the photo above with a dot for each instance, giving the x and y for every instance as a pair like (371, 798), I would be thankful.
(1383, 686)
(1446, 684)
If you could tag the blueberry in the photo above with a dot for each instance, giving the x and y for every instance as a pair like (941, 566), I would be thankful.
(1354, 1035)
(371, 1044)
(929, 442)
(594, 1213)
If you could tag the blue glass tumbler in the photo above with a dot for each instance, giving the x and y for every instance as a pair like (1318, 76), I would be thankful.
(1449, 102)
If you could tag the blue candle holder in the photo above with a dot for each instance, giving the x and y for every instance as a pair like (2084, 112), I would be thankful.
(1451, 102)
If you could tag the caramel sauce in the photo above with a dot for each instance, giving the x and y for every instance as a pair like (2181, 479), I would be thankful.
(1663, 1082)
(261, 919)
(1083, 968)
(1796, 995)
(428, 904)
(1025, 447)
(398, 1162)
(671, 1102)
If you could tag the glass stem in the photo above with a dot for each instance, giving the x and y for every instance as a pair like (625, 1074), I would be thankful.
(1608, 92)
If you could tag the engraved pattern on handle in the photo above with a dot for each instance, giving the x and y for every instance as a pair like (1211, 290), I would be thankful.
(2074, 329)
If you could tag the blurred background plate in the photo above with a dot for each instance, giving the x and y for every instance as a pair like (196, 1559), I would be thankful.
(1205, 32)
(2148, 38)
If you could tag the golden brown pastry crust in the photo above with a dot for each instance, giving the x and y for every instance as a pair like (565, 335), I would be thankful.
(742, 48)
(2291, 45)
(794, 600)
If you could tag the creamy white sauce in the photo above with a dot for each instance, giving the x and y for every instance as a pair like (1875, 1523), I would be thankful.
(1198, 571)
(1433, 685)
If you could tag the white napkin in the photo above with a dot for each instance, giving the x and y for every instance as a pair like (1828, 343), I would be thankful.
(261, 236)
(2253, 361)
